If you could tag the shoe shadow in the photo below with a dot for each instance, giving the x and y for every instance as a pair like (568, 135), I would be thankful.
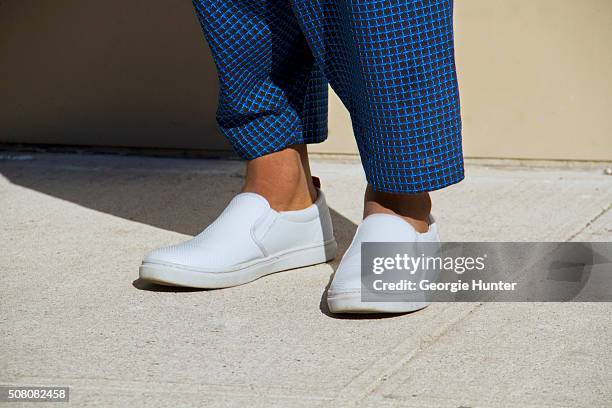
(141, 284)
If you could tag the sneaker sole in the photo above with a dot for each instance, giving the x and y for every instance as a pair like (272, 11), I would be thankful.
(175, 275)
(350, 302)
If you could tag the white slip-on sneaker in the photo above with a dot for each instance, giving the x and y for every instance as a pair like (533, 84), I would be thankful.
(344, 293)
(247, 241)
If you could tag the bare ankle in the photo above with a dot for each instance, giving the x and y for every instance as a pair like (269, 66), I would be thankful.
(413, 208)
(283, 193)
(283, 178)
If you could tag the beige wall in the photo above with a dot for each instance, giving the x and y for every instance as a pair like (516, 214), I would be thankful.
(111, 73)
(535, 77)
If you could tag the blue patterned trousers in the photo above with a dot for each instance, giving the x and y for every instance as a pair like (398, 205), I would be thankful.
(391, 62)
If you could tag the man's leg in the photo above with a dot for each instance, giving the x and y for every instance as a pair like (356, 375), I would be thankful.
(392, 64)
(273, 99)
(272, 102)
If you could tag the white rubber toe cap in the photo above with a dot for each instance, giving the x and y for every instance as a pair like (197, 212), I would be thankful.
(344, 293)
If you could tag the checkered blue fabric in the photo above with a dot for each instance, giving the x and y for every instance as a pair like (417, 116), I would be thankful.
(390, 61)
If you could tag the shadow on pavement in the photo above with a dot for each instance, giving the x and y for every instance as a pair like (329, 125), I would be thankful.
(153, 287)
(180, 195)
(175, 195)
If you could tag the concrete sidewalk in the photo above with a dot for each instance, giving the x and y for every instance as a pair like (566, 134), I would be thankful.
(74, 228)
